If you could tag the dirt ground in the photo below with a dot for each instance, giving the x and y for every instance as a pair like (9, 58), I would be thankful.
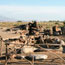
(11, 34)
(52, 60)
(6, 35)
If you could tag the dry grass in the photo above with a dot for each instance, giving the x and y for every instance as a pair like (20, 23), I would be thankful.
(44, 24)
(11, 24)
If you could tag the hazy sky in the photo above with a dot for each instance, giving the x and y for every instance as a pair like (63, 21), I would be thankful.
(33, 9)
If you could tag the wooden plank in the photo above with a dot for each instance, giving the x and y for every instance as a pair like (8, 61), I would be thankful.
(50, 44)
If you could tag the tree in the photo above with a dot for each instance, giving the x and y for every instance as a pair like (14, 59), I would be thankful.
(19, 21)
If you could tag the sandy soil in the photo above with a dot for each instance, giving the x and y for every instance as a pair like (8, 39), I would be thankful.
(5, 35)
(52, 60)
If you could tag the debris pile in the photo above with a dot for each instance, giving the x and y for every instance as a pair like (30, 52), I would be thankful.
(33, 40)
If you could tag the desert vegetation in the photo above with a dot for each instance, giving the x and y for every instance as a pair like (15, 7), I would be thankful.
(47, 24)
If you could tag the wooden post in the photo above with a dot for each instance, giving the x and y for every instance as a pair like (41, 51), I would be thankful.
(33, 60)
(1, 46)
(47, 45)
(6, 55)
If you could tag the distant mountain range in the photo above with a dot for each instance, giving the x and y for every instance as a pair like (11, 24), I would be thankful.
(3, 18)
